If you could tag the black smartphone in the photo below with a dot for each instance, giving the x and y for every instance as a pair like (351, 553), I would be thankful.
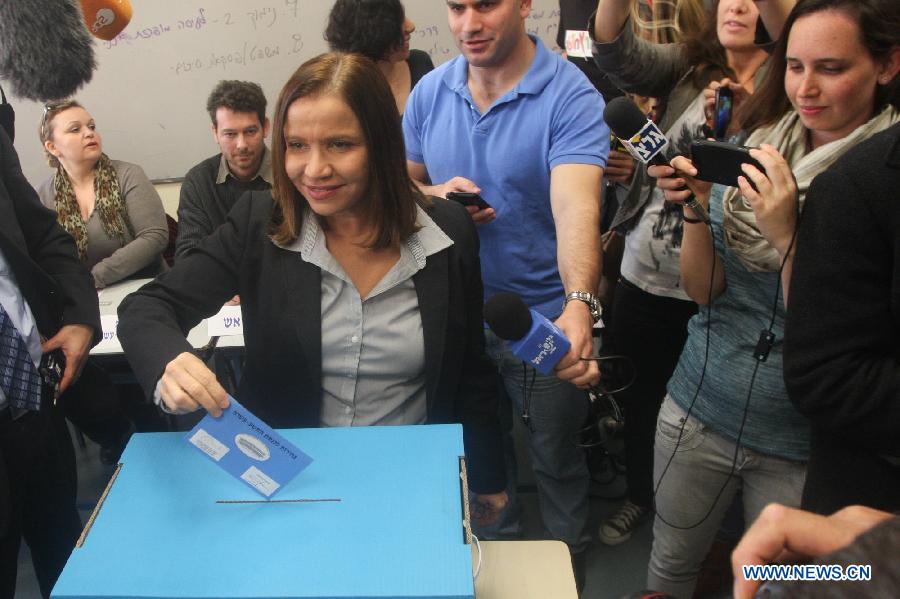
(722, 114)
(468, 198)
(52, 368)
(720, 162)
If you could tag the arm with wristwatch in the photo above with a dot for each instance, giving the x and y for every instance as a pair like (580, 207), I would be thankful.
(574, 193)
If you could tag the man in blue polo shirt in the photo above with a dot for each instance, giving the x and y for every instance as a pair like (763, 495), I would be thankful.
(512, 121)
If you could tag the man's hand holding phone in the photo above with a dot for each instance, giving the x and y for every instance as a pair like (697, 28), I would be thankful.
(480, 210)
(468, 198)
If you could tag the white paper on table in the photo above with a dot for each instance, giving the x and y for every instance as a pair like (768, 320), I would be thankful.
(228, 321)
(110, 341)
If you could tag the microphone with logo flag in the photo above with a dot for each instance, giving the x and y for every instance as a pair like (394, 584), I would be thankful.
(643, 140)
(532, 338)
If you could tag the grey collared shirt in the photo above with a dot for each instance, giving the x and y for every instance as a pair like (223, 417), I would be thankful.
(264, 172)
(373, 350)
(20, 314)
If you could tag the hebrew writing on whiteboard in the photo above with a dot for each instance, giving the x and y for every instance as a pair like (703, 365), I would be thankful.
(149, 92)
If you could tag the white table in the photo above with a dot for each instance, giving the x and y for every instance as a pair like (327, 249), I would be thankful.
(112, 296)
(524, 570)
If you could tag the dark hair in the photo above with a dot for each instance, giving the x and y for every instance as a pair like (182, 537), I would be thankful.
(373, 28)
(879, 28)
(392, 196)
(238, 96)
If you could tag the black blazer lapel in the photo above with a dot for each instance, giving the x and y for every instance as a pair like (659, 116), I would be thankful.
(39, 290)
(303, 297)
(432, 292)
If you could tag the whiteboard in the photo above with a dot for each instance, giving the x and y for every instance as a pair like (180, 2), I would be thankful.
(148, 94)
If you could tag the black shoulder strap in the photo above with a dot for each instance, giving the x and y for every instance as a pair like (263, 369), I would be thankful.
(7, 116)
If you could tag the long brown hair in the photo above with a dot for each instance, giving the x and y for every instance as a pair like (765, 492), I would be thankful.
(879, 30)
(358, 82)
(668, 21)
(704, 50)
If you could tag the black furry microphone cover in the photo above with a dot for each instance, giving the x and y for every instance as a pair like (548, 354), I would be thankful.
(46, 51)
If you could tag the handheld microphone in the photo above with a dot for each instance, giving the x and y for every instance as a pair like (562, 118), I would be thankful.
(643, 140)
(533, 339)
(45, 51)
(106, 19)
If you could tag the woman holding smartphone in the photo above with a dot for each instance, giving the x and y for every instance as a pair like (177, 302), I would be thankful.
(650, 308)
(727, 423)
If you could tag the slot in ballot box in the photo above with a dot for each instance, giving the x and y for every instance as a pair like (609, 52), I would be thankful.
(395, 528)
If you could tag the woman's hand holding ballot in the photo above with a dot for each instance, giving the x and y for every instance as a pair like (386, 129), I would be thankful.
(188, 385)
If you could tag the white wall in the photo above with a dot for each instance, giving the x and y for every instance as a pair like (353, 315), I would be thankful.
(168, 192)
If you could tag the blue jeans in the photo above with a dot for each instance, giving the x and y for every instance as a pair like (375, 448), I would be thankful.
(558, 410)
(689, 488)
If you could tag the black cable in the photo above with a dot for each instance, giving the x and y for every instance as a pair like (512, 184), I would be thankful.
(709, 298)
(594, 396)
(612, 359)
(527, 388)
(769, 336)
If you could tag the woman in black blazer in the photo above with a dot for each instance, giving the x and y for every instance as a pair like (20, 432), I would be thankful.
(349, 264)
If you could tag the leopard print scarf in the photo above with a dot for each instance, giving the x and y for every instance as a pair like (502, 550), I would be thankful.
(109, 203)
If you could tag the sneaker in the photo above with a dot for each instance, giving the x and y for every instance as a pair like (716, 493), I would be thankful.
(619, 527)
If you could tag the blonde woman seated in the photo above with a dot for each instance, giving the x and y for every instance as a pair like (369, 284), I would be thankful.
(119, 225)
(109, 206)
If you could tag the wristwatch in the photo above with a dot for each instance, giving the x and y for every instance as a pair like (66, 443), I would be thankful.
(589, 299)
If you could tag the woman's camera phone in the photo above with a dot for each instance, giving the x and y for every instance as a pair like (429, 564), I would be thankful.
(720, 162)
(467, 198)
(722, 114)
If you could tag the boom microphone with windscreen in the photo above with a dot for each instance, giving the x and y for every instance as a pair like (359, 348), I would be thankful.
(46, 52)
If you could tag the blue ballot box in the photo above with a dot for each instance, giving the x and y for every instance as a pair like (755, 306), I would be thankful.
(394, 527)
